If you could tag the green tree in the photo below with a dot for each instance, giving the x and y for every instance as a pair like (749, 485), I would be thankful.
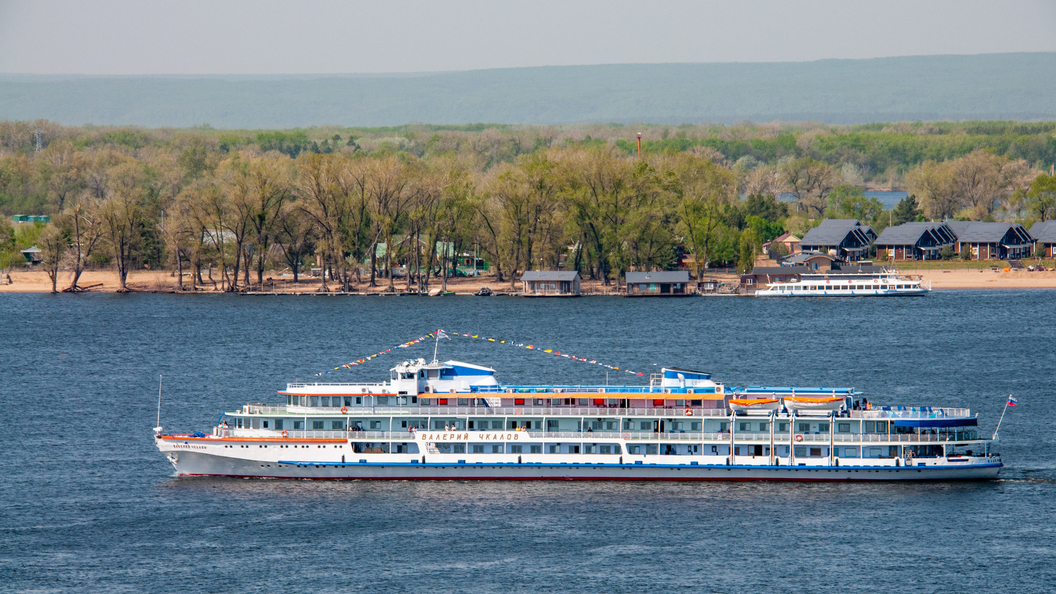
(905, 211)
(1041, 197)
(749, 246)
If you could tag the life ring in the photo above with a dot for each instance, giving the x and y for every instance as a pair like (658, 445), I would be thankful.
(799, 438)
(285, 433)
(519, 411)
(689, 412)
(626, 435)
(344, 410)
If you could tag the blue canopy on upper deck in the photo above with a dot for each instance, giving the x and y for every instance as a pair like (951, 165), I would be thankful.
(936, 422)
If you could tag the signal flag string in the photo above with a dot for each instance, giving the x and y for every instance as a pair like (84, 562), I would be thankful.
(448, 334)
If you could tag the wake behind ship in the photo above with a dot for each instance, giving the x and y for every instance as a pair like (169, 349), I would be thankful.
(454, 420)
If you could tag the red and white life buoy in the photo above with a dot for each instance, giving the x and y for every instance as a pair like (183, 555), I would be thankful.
(689, 412)
(799, 438)
(519, 411)
(344, 410)
(285, 433)
(626, 435)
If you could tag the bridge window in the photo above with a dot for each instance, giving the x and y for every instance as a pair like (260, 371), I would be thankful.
(298, 425)
(278, 424)
(317, 425)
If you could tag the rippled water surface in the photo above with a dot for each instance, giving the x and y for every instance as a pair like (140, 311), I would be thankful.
(87, 503)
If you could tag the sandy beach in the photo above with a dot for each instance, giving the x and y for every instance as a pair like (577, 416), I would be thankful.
(105, 281)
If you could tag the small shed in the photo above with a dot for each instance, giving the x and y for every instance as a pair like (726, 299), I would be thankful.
(671, 283)
(815, 261)
(33, 255)
(551, 283)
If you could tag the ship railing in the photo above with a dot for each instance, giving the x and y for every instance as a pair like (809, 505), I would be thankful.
(536, 411)
(454, 411)
(323, 384)
(740, 437)
(878, 438)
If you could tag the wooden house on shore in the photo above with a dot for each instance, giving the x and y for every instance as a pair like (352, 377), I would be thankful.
(992, 241)
(673, 283)
(551, 283)
(1044, 234)
(914, 241)
(845, 239)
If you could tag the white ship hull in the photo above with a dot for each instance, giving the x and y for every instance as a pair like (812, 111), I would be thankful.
(192, 459)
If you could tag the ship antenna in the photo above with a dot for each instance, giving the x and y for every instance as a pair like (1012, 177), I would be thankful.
(157, 429)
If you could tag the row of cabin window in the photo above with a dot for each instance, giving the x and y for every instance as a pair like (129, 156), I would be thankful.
(553, 424)
(844, 287)
(339, 401)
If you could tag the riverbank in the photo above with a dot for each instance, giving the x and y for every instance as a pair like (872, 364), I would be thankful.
(150, 281)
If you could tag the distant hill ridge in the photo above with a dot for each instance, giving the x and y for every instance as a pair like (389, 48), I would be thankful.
(990, 86)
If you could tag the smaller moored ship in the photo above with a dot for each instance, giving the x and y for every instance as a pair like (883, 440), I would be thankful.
(854, 284)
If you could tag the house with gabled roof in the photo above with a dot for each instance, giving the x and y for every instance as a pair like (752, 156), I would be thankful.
(846, 239)
(1044, 234)
(671, 283)
(551, 283)
(915, 241)
(992, 241)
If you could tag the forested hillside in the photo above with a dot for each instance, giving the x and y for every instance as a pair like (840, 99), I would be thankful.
(528, 197)
(994, 86)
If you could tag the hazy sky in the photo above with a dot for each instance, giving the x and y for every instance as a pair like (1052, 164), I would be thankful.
(268, 37)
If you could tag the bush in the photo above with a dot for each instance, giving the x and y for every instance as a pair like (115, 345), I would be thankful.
(966, 253)
(947, 253)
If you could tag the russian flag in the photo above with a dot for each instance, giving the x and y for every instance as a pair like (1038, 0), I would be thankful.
(1011, 401)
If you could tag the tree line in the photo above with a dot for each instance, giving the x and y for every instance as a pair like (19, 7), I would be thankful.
(227, 213)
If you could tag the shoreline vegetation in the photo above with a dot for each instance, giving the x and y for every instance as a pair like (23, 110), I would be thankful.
(956, 276)
(410, 208)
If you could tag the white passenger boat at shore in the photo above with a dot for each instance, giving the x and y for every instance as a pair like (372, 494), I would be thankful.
(454, 420)
(850, 284)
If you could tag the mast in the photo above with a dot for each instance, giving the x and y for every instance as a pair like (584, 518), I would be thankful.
(157, 428)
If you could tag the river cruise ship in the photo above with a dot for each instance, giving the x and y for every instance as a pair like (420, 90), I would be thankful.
(836, 284)
(454, 420)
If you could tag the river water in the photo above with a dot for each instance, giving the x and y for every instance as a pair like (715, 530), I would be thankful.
(87, 503)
